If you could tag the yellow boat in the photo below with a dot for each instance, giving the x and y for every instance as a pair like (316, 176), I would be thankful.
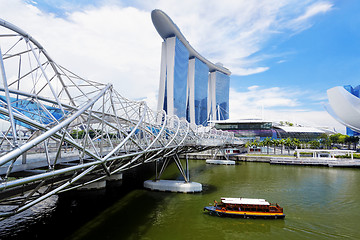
(246, 208)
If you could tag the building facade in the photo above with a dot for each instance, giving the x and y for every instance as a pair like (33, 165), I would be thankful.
(198, 85)
(191, 86)
(258, 129)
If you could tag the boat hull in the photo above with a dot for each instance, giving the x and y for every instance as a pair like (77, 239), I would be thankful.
(243, 214)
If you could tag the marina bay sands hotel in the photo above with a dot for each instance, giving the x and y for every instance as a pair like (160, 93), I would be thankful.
(191, 86)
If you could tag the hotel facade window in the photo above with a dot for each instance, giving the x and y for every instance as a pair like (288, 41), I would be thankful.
(218, 103)
(198, 90)
(173, 77)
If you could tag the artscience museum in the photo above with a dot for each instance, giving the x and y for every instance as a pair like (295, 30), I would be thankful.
(344, 106)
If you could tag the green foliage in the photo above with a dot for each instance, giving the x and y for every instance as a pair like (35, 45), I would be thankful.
(339, 138)
(343, 138)
(80, 134)
(334, 138)
(314, 144)
(355, 156)
(296, 142)
(325, 140)
(76, 134)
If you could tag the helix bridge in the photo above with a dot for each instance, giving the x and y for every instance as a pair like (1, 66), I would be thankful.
(62, 132)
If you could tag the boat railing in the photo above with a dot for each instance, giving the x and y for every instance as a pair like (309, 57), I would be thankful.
(276, 208)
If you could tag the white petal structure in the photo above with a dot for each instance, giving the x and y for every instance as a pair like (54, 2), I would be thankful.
(344, 107)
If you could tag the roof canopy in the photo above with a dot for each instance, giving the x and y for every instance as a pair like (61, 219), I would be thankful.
(249, 201)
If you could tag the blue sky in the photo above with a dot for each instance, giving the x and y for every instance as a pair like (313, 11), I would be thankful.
(325, 55)
(284, 54)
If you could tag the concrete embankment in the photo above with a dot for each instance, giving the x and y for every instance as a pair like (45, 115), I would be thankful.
(234, 157)
(283, 160)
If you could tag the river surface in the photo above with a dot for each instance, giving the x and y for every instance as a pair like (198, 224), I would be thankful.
(319, 203)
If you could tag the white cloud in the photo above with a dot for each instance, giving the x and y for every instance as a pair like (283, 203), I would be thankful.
(248, 71)
(257, 98)
(110, 44)
(315, 9)
(117, 44)
(278, 104)
(233, 32)
(252, 88)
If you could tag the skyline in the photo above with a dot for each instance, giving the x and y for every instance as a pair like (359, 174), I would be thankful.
(288, 53)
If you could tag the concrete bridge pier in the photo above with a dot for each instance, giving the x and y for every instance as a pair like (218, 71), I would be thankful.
(220, 161)
(185, 186)
(173, 186)
(115, 179)
(99, 185)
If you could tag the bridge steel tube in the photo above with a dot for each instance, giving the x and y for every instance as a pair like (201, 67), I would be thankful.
(21, 149)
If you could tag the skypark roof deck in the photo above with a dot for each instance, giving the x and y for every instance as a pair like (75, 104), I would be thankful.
(167, 28)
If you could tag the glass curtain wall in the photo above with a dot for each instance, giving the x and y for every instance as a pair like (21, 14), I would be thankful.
(222, 96)
(180, 78)
(201, 91)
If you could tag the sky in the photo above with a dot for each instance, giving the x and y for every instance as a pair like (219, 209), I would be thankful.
(283, 54)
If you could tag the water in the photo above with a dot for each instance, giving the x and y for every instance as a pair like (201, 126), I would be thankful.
(319, 203)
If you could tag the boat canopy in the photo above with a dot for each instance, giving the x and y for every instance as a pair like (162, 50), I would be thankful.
(249, 201)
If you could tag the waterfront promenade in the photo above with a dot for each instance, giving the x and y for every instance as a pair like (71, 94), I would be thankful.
(304, 157)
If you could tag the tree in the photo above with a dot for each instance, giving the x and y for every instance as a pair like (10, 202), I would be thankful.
(282, 142)
(77, 134)
(267, 143)
(261, 144)
(254, 143)
(334, 138)
(314, 144)
(354, 140)
(296, 142)
(348, 142)
(343, 139)
(325, 140)
(275, 143)
(288, 143)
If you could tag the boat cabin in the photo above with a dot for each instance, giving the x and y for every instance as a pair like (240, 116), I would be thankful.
(248, 205)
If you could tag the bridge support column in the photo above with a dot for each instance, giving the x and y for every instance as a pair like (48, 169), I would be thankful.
(220, 161)
(184, 186)
(94, 186)
(114, 180)
(101, 184)
(115, 177)
(173, 186)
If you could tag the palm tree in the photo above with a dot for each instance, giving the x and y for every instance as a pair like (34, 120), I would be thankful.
(261, 145)
(282, 142)
(249, 144)
(267, 142)
(288, 143)
(296, 142)
(275, 143)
